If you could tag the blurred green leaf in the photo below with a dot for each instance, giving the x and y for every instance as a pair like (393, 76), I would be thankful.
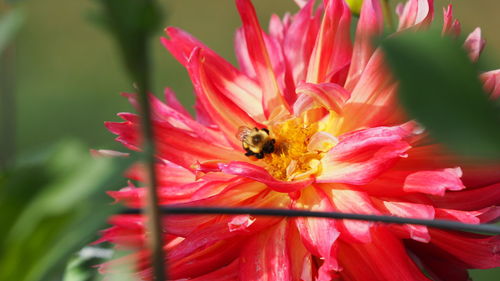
(131, 23)
(486, 275)
(439, 86)
(67, 208)
(10, 23)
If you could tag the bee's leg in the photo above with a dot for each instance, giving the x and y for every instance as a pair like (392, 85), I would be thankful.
(249, 153)
(259, 155)
(265, 130)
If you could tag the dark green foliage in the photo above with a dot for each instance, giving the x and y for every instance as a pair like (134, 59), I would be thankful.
(52, 206)
(439, 86)
(131, 23)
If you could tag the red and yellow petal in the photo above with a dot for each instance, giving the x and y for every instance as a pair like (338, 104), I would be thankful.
(265, 257)
(361, 156)
(272, 98)
(319, 235)
(333, 49)
(370, 24)
(383, 259)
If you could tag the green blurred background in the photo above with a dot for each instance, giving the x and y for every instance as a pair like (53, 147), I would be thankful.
(68, 72)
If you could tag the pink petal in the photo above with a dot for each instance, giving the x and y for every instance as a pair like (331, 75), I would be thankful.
(303, 103)
(434, 182)
(491, 83)
(383, 259)
(162, 112)
(412, 210)
(321, 142)
(173, 102)
(127, 231)
(207, 263)
(272, 98)
(373, 98)
(437, 268)
(241, 223)
(261, 175)
(461, 216)
(431, 156)
(281, 69)
(470, 199)
(489, 215)
(128, 133)
(222, 110)
(173, 144)
(388, 184)
(302, 3)
(202, 115)
(361, 156)
(233, 192)
(225, 273)
(350, 201)
(486, 215)
(179, 193)
(319, 235)
(229, 81)
(416, 13)
(276, 56)
(171, 139)
(399, 9)
(265, 257)
(469, 250)
(333, 49)
(299, 41)
(238, 194)
(277, 28)
(450, 25)
(328, 95)
(370, 24)
(474, 44)
(242, 56)
(213, 233)
(215, 239)
(301, 263)
(167, 173)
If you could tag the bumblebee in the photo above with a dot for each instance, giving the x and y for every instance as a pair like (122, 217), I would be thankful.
(256, 142)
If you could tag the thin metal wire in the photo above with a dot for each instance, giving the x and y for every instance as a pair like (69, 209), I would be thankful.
(437, 223)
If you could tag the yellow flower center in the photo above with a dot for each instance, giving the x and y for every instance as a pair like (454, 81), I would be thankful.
(299, 147)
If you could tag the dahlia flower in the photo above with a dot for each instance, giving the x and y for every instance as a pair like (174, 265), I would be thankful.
(340, 142)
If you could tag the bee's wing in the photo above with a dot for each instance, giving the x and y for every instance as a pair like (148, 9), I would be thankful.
(243, 132)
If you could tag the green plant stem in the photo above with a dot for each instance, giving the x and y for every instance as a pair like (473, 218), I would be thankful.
(141, 74)
(386, 9)
(132, 23)
(133, 33)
